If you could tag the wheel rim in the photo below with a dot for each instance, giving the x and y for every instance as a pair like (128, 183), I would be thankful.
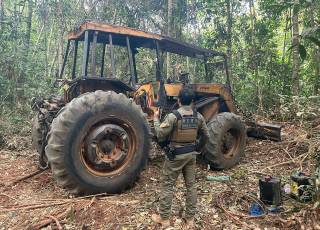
(231, 142)
(108, 147)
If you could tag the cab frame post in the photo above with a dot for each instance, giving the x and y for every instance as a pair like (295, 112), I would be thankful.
(102, 60)
(93, 56)
(132, 72)
(86, 51)
(65, 59)
(113, 68)
(75, 54)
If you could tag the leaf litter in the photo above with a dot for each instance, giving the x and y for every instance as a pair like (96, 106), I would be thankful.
(36, 202)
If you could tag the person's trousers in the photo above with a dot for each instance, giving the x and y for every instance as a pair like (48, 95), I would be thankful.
(185, 164)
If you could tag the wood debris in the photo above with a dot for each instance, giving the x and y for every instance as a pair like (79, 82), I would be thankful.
(40, 202)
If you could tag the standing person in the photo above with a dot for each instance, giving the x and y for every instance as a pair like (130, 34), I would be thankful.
(181, 128)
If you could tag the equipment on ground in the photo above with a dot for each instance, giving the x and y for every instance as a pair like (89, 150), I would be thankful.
(96, 138)
(270, 190)
(302, 187)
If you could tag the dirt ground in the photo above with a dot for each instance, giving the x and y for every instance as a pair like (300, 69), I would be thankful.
(37, 201)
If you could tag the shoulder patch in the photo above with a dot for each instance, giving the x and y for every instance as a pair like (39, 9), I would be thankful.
(164, 124)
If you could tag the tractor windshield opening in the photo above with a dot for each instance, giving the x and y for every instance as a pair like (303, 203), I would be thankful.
(146, 64)
(217, 70)
(197, 70)
(95, 55)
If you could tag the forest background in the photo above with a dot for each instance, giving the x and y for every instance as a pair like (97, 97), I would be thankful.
(273, 48)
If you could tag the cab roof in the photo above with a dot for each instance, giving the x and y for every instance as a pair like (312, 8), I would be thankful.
(139, 38)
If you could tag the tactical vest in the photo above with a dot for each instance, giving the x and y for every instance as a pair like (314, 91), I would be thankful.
(185, 129)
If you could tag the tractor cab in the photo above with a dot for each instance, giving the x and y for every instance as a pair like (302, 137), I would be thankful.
(94, 47)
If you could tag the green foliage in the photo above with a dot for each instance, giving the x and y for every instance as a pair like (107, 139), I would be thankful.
(302, 52)
(15, 121)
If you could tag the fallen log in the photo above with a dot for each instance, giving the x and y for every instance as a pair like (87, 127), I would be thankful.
(264, 131)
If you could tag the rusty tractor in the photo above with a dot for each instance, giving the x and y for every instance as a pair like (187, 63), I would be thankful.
(96, 137)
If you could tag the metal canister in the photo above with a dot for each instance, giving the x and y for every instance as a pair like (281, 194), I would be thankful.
(270, 190)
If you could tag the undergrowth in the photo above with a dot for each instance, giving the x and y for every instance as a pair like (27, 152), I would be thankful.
(15, 124)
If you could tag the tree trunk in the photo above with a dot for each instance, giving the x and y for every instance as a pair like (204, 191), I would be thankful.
(317, 72)
(61, 40)
(169, 26)
(29, 27)
(48, 50)
(26, 43)
(187, 22)
(295, 53)
(316, 52)
(254, 57)
(229, 39)
(1, 15)
(285, 38)
(286, 89)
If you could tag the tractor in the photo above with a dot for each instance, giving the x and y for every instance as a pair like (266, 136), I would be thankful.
(96, 137)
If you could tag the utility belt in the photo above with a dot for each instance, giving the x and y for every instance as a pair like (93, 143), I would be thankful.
(171, 151)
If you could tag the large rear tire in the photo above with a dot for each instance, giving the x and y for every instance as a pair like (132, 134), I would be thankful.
(98, 143)
(227, 141)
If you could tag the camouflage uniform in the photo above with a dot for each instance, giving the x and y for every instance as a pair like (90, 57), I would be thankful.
(184, 163)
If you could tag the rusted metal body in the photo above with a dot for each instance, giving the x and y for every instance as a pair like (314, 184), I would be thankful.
(138, 38)
(99, 142)
(151, 95)
(108, 148)
(206, 92)
(154, 94)
(93, 33)
(97, 42)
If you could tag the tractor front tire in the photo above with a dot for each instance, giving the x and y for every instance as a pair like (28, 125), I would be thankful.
(37, 136)
(227, 141)
(41, 124)
(98, 143)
